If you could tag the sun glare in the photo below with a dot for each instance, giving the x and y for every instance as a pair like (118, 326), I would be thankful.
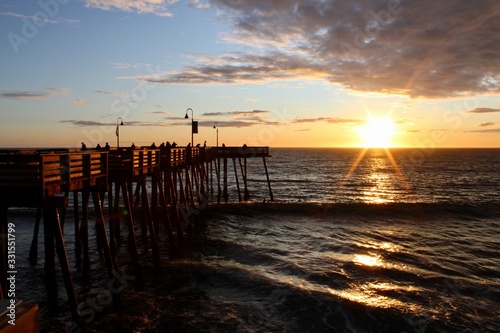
(378, 132)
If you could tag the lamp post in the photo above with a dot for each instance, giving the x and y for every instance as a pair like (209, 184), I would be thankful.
(192, 124)
(216, 126)
(119, 122)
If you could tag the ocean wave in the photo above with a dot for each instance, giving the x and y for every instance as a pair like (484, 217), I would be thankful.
(472, 212)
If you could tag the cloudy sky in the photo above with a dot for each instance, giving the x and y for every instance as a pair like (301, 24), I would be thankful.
(275, 73)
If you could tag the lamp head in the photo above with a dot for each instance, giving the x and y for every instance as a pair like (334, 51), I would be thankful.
(186, 116)
(121, 123)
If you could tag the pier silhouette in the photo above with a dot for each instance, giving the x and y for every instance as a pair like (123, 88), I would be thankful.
(166, 186)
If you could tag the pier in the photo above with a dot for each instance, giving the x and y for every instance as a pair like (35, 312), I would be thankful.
(159, 188)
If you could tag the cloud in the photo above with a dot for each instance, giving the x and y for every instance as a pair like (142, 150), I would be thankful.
(231, 123)
(416, 48)
(124, 65)
(492, 130)
(234, 113)
(44, 20)
(80, 101)
(487, 124)
(40, 94)
(484, 110)
(329, 120)
(157, 7)
(92, 123)
(199, 4)
(158, 112)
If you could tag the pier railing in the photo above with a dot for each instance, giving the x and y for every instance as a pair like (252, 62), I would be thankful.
(28, 177)
(128, 163)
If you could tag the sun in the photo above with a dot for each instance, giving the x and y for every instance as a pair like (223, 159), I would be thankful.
(378, 132)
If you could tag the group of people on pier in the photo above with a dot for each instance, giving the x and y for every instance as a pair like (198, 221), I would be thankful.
(152, 146)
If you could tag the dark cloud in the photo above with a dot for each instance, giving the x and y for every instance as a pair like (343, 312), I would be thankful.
(101, 124)
(234, 113)
(158, 112)
(421, 48)
(484, 110)
(42, 94)
(487, 124)
(229, 123)
(173, 118)
(492, 130)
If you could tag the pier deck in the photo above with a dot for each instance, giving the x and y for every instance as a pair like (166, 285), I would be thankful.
(171, 186)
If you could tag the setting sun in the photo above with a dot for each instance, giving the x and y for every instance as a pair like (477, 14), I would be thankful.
(378, 132)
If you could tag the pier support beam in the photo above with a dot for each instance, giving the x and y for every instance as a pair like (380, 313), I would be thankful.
(101, 234)
(224, 193)
(53, 235)
(267, 177)
(132, 244)
(33, 257)
(84, 236)
(236, 178)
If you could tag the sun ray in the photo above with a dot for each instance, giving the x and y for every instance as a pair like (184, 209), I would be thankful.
(351, 170)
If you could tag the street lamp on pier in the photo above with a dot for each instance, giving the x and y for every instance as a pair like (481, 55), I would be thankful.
(194, 125)
(119, 122)
(216, 126)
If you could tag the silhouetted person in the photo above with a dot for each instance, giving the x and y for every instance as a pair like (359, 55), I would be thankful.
(153, 145)
(168, 144)
(174, 144)
(198, 145)
(107, 147)
(84, 147)
(133, 145)
(98, 147)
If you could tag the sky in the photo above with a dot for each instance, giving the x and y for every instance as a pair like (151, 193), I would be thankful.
(279, 73)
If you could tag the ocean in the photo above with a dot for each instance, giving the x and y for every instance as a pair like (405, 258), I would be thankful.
(399, 240)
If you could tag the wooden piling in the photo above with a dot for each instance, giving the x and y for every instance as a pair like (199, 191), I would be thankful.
(132, 244)
(237, 181)
(267, 177)
(50, 262)
(101, 232)
(76, 220)
(150, 224)
(53, 222)
(33, 256)
(224, 193)
(246, 195)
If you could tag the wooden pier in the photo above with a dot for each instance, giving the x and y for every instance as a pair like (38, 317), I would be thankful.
(159, 188)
